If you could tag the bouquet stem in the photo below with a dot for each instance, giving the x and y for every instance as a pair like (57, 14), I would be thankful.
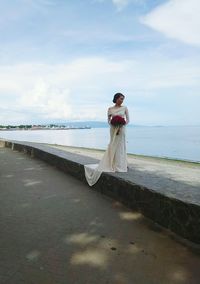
(118, 130)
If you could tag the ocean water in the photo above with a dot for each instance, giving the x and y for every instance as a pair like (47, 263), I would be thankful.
(177, 142)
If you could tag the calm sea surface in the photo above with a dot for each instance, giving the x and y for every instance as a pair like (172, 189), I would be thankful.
(181, 142)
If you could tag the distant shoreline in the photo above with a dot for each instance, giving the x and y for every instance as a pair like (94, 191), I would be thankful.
(34, 129)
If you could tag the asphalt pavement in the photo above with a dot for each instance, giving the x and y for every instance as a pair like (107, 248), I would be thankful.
(56, 230)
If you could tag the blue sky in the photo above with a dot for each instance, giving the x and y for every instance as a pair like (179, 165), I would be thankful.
(63, 60)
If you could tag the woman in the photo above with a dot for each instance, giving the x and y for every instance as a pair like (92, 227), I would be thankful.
(114, 159)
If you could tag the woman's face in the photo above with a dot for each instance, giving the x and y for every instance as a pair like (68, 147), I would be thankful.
(120, 100)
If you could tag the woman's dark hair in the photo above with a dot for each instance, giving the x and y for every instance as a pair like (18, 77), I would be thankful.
(117, 96)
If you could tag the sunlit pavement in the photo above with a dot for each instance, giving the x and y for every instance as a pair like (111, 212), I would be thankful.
(55, 229)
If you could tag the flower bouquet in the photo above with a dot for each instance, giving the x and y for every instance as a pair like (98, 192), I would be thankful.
(117, 121)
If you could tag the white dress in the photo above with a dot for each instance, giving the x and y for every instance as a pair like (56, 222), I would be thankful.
(115, 158)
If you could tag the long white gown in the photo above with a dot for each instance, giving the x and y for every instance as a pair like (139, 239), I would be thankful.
(115, 158)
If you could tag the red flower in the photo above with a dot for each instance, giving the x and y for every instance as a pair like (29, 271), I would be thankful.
(117, 121)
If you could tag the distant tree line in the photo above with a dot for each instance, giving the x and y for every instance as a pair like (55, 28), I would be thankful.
(16, 126)
(28, 126)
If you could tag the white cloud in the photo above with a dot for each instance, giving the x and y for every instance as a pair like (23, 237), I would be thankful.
(50, 101)
(121, 4)
(83, 89)
(40, 2)
(100, 35)
(178, 19)
(61, 91)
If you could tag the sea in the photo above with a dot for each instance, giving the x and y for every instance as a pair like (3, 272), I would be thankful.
(175, 142)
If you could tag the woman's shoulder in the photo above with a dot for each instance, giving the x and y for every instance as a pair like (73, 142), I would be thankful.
(124, 107)
(111, 108)
(114, 107)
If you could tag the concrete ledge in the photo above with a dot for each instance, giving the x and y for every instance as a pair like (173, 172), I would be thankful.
(179, 215)
(2, 143)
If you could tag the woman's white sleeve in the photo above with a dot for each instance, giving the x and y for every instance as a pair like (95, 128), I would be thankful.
(127, 116)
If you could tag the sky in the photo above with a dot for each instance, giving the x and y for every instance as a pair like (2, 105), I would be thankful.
(63, 60)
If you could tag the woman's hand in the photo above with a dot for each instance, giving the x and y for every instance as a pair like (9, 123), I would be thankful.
(109, 118)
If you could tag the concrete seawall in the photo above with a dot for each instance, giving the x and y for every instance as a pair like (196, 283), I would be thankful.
(174, 205)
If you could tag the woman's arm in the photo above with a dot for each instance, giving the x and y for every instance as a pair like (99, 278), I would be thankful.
(127, 116)
(109, 116)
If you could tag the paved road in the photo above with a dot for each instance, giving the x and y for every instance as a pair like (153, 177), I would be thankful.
(56, 230)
